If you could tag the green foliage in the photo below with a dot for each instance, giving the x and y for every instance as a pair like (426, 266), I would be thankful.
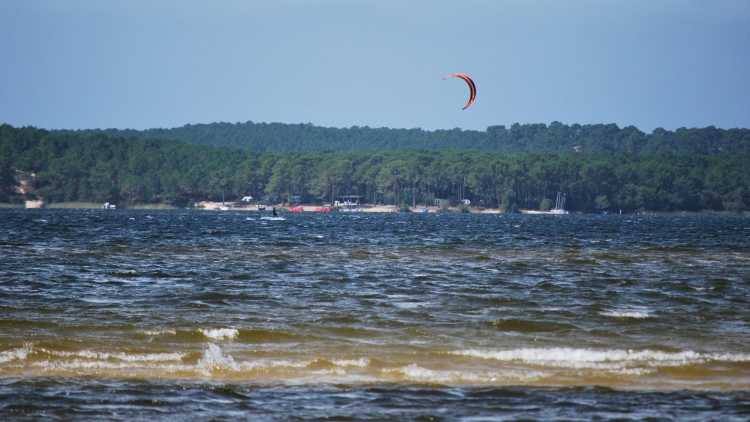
(661, 176)
(601, 203)
(538, 138)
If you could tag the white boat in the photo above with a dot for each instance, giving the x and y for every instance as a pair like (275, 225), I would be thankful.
(348, 203)
(558, 210)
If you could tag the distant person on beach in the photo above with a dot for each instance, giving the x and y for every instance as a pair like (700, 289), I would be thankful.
(274, 212)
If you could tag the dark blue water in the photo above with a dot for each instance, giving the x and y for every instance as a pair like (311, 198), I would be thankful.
(141, 314)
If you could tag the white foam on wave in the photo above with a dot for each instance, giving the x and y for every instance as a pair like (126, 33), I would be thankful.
(634, 313)
(106, 365)
(637, 372)
(614, 359)
(360, 363)
(416, 373)
(627, 314)
(121, 356)
(336, 372)
(16, 354)
(406, 305)
(273, 363)
(92, 360)
(220, 333)
(156, 333)
(214, 359)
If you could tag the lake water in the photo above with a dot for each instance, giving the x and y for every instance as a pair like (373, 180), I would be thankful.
(144, 314)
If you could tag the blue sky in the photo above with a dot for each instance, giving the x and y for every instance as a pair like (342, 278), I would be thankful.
(143, 63)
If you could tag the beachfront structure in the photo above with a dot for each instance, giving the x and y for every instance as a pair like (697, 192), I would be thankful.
(347, 203)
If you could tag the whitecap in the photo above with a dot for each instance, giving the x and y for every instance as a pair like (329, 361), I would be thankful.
(608, 359)
(636, 372)
(121, 356)
(628, 313)
(361, 362)
(105, 365)
(339, 372)
(155, 333)
(406, 305)
(214, 359)
(416, 373)
(274, 363)
(219, 333)
(16, 354)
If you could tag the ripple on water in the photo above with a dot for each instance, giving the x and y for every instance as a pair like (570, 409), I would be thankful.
(289, 303)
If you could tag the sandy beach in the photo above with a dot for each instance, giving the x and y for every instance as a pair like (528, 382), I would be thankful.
(240, 206)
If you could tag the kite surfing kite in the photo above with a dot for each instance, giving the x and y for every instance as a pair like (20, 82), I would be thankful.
(472, 88)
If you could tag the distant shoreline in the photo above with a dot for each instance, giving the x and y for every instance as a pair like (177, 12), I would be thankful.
(522, 168)
(311, 208)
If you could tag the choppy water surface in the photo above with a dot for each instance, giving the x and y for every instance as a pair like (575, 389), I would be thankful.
(128, 314)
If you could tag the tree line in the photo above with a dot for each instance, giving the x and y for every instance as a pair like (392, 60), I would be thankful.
(100, 167)
(553, 138)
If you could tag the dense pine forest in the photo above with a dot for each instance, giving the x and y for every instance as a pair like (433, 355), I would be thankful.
(540, 138)
(599, 167)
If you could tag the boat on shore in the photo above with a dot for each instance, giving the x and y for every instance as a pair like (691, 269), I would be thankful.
(559, 208)
(348, 203)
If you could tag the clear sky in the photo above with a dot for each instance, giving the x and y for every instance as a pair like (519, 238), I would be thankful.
(148, 63)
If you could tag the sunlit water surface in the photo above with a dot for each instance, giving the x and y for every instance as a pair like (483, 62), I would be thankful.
(123, 314)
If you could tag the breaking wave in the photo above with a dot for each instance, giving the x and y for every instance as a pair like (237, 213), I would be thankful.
(633, 313)
(523, 366)
(418, 374)
(601, 359)
(220, 333)
(16, 354)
